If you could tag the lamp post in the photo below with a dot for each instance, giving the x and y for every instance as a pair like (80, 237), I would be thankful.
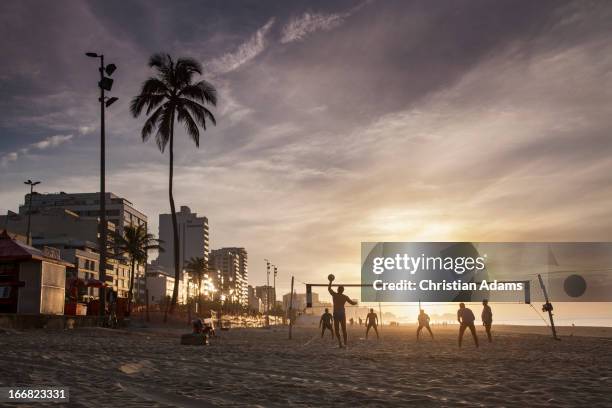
(105, 84)
(274, 287)
(267, 292)
(31, 184)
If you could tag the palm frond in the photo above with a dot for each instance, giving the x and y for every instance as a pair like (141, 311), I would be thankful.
(190, 125)
(151, 94)
(201, 91)
(164, 126)
(199, 112)
(165, 66)
(151, 123)
(185, 68)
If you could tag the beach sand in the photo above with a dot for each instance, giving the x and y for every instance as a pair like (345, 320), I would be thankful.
(523, 367)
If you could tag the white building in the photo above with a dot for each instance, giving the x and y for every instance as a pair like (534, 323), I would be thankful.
(160, 285)
(193, 238)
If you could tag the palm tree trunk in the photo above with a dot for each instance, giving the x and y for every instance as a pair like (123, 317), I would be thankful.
(131, 292)
(177, 272)
(200, 294)
(146, 288)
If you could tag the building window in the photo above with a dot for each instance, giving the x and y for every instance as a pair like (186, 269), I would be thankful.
(5, 292)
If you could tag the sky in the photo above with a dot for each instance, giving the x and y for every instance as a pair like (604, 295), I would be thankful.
(338, 121)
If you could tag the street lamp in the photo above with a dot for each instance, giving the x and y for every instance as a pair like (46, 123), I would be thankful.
(105, 84)
(31, 184)
(274, 305)
(267, 292)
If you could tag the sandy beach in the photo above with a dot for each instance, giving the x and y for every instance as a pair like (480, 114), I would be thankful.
(259, 367)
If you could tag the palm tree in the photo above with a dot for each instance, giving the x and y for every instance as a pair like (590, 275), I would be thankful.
(135, 242)
(172, 95)
(197, 267)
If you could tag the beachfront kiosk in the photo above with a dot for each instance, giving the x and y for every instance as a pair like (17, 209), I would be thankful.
(32, 281)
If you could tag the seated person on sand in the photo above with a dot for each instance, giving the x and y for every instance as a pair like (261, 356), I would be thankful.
(466, 319)
(203, 327)
(372, 322)
(423, 323)
(326, 323)
(339, 313)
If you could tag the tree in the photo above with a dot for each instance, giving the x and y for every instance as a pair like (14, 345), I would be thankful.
(173, 95)
(197, 268)
(135, 242)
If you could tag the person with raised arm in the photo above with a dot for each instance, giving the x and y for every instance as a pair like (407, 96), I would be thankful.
(340, 299)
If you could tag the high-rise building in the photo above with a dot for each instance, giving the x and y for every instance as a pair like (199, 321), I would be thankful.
(193, 239)
(119, 211)
(263, 292)
(255, 304)
(233, 264)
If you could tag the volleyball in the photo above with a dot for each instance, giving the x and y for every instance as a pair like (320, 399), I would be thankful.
(331, 277)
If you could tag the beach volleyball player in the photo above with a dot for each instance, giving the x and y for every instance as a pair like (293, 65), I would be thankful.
(340, 299)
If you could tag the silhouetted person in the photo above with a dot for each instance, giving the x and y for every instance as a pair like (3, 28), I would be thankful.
(326, 323)
(423, 323)
(360, 321)
(351, 321)
(372, 322)
(466, 319)
(339, 313)
(487, 318)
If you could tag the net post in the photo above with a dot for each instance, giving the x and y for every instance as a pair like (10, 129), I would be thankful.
(291, 310)
(527, 292)
(308, 295)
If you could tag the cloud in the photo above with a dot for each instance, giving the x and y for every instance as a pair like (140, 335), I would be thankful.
(49, 142)
(298, 28)
(248, 50)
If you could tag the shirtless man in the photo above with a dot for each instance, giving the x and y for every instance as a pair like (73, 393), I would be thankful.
(326, 323)
(423, 323)
(339, 313)
(487, 318)
(372, 322)
(466, 319)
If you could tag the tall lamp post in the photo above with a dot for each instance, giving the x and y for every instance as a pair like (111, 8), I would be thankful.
(267, 292)
(274, 287)
(31, 184)
(105, 84)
